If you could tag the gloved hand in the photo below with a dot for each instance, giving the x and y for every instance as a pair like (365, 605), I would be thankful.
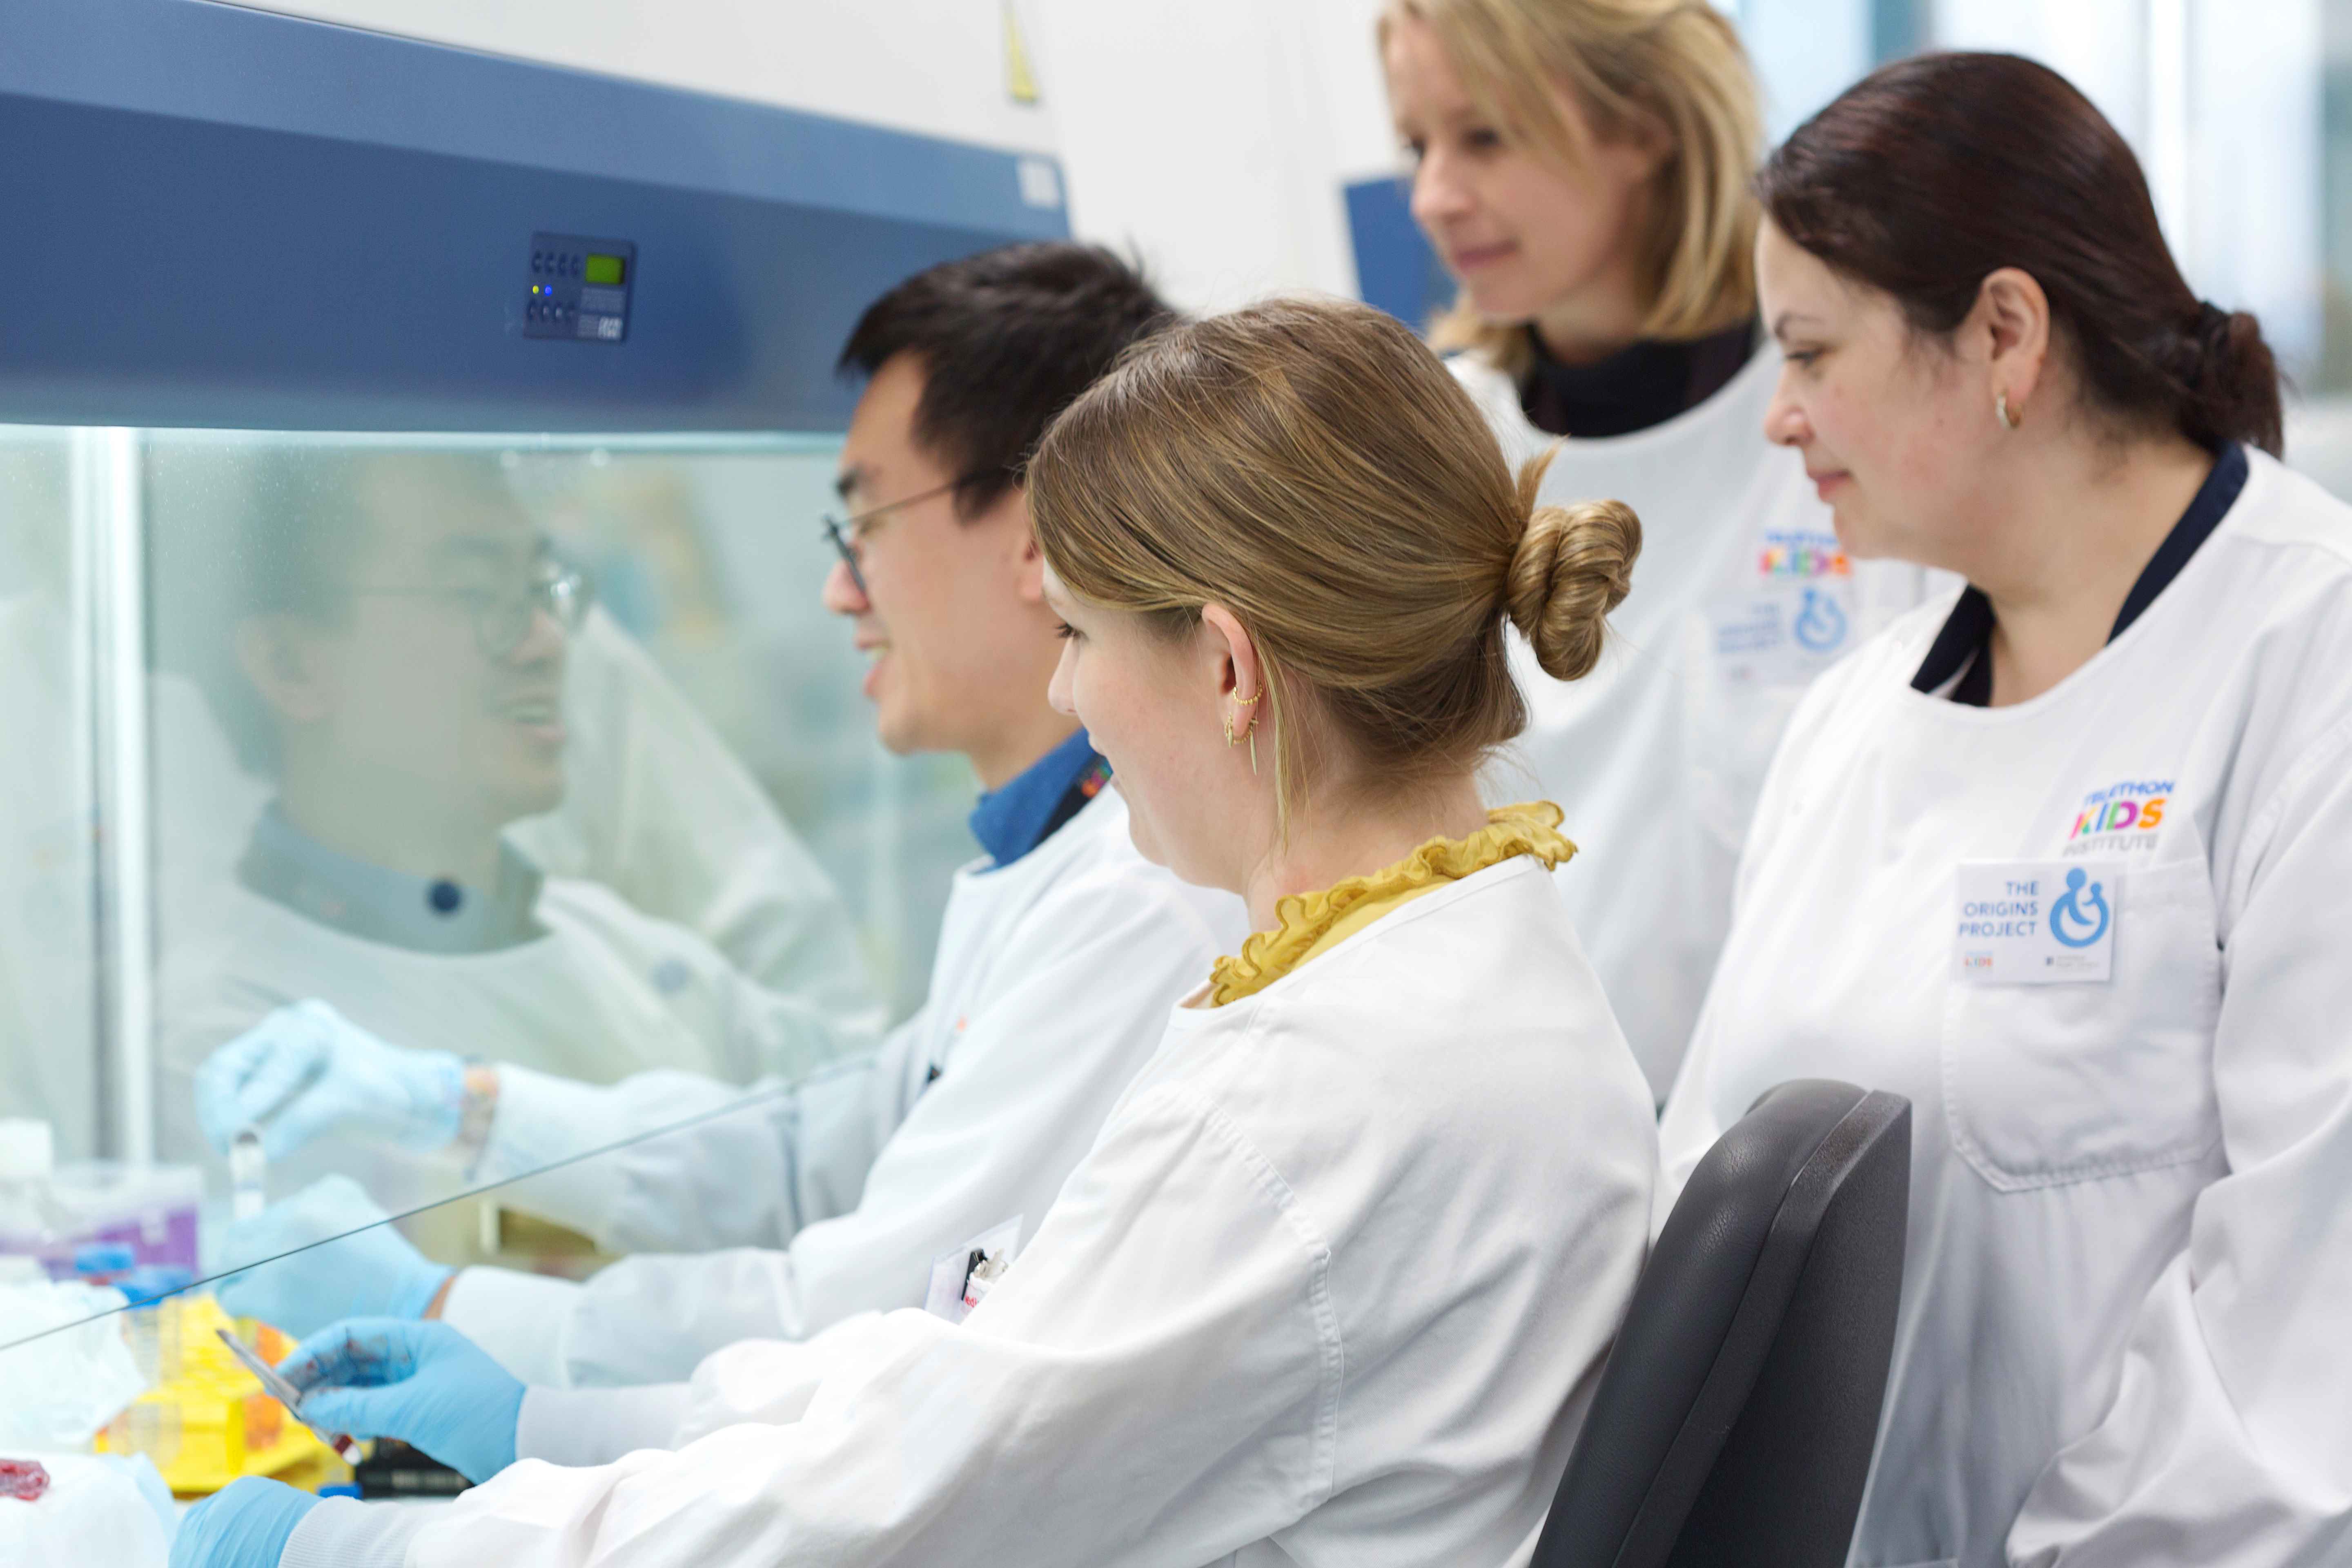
(244, 1526)
(425, 1383)
(306, 1070)
(364, 1267)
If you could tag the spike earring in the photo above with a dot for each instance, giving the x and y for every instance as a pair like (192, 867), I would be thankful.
(2001, 410)
(1233, 739)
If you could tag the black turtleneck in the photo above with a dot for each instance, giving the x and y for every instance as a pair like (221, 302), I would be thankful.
(1633, 389)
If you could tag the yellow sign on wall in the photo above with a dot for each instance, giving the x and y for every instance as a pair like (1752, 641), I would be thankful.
(1020, 79)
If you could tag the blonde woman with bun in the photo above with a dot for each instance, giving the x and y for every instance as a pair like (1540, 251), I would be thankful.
(1582, 168)
(1337, 1280)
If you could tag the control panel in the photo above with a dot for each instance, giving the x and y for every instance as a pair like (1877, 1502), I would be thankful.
(579, 288)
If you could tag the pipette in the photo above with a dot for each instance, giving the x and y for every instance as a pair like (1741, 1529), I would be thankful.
(248, 1175)
(285, 1394)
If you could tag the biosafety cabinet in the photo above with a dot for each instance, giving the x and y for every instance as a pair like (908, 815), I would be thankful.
(412, 462)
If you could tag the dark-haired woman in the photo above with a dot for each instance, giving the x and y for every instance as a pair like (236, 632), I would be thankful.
(2064, 859)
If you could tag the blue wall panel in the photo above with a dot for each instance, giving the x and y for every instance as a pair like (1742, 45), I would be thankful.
(234, 219)
(1396, 269)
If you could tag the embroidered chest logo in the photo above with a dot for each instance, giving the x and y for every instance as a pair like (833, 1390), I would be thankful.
(1809, 565)
(2124, 817)
(1801, 555)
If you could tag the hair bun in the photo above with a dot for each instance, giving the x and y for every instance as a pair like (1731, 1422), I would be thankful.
(1574, 565)
(2231, 381)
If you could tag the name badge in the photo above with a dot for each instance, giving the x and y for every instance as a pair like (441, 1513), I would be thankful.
(961, 1278)
(2036, 922)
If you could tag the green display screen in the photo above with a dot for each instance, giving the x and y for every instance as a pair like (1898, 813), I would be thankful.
(603, 270)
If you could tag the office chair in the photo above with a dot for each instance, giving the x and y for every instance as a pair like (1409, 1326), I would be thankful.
(1736, 1415)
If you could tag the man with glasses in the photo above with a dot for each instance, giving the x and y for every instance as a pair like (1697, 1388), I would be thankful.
(891, 1181)
(396, 670)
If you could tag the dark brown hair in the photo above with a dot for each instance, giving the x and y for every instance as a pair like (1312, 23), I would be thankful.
(1006, 338)
(1933, 171)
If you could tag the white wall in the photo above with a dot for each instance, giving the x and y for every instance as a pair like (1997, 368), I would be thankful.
(1200, 135)
(932, 66)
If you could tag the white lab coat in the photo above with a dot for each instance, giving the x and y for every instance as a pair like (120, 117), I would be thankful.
(1333, 1287)
(1740, 597)
(2122, 1338)
(1052, 986)
(658, 808)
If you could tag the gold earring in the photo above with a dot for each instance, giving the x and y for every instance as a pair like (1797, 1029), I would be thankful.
(2001, 410)
(1233, 739)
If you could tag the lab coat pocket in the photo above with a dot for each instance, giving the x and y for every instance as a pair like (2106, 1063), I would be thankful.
(2050, 1084)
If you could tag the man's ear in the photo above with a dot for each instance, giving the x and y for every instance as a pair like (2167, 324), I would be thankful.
(1029, 565)
(283, 660)
(1029, 570)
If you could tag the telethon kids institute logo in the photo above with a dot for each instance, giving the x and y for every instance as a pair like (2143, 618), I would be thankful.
(2123, 816)
(1801, 555)
(1807, 567)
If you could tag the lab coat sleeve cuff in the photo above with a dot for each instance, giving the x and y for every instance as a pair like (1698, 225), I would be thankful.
(523, 1321)
(588, 1427)
(543, 1119)
(344, 1532)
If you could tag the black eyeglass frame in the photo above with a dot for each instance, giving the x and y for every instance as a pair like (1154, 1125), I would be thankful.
(842, 531)
(501, 618)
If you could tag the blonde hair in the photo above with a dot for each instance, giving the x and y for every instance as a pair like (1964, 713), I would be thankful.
(1676, 62)
(1311, 465)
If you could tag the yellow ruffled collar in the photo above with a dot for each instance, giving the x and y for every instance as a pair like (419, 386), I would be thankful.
(1306, 921)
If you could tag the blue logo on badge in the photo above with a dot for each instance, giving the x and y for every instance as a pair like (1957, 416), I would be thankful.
(1821, 625)
(2066, 909)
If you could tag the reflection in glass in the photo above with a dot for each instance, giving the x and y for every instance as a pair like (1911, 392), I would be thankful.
(400, 763)
(48, 997)
(404, 769)
(376, 646)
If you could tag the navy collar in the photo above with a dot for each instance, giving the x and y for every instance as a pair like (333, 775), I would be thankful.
(1963, 648)
(1012, 821)
(1642, 384)
(437, 915)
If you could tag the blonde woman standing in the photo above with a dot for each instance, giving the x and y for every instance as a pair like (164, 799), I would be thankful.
(1337, 1276)
(1582, 167)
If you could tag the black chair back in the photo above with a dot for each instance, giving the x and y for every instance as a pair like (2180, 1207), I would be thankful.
(1736, 1417)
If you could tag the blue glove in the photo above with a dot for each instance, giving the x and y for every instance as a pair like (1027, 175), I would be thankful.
(364, 1266)
(306, 1070)
(425, 1383)
(246, 1526)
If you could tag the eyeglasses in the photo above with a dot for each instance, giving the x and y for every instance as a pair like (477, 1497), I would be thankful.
(503, 617)
(847, 533)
